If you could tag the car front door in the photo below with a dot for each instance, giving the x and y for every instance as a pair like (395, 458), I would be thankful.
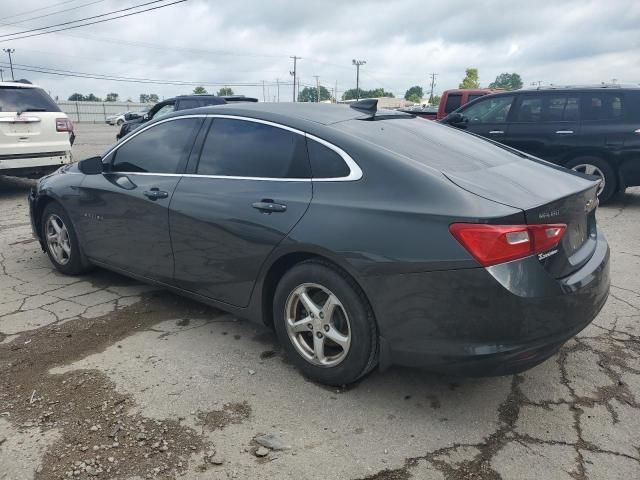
(546, 125)
(124, 211)
(488, 117)
(248, 190)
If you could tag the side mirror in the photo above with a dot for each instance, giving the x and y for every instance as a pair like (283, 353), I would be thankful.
(91, 166)
(145, 117)
(131, 116)
(456, 120)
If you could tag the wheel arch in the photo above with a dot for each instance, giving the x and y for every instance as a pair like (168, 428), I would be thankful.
(40, 205)
(282, 263)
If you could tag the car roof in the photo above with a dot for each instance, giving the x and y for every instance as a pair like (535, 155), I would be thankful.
(322, 113)
(18, 84)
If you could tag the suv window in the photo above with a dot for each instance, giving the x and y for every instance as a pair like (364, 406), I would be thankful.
(186, 103)
(489, 110)
(164, 110)
(159, 149)
(560, 108)
(325, 163)
(453, 102)
(19, 99)
(530, 109)
(473, 96)
(240, 148)
(602, 106)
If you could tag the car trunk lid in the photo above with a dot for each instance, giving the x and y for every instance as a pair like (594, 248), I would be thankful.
(548, 195)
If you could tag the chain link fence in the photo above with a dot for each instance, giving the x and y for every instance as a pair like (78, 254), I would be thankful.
(97, 112)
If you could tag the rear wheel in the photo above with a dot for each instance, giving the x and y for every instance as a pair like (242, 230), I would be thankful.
(61, 242)
(599, 168)
(325, 323)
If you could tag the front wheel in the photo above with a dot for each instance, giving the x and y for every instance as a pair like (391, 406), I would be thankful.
(598, 168)
(325, 323)
(61, 241)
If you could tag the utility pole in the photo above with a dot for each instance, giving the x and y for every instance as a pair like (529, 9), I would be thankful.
(335, 94)
(263, 97)
(294, 72)
(433, 84)
(538, 83)
(1, 75)
(357, 63)
(317, 77)
(10, 51)
(278, 84)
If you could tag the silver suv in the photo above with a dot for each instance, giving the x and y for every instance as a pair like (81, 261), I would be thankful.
(35, 136)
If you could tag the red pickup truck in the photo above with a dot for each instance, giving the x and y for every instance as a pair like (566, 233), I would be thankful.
(451, 100)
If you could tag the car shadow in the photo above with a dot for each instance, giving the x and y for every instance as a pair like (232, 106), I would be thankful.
(14, 187)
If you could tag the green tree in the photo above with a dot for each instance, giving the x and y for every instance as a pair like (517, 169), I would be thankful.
(225, 92)
(471, 79)
(92, 98)
(111, 97)
(507, 81)
(413, 93)
(144, 98)
(435, 100)
(310, 94)
(76, 97)
(199, 90)
(375, 93)
(153, 98)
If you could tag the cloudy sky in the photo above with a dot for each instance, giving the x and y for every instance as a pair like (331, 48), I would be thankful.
(250, 41)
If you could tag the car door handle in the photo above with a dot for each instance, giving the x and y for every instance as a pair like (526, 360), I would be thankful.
(269, 206)
(155, 194)
(496, 132)
(564, 132)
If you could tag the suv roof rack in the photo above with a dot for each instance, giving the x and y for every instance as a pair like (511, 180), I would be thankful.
(597, 85)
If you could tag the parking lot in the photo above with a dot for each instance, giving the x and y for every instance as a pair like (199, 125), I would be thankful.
(103, 377)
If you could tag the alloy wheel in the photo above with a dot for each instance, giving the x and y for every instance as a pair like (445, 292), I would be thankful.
(58, 239)
(318, 325)
(590, 169)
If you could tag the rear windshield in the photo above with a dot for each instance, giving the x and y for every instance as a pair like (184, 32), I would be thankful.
(429, 143)
(18, 99)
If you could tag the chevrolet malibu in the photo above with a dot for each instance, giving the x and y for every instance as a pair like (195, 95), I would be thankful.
(364, 237)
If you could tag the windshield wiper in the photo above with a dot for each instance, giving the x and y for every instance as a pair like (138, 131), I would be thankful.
(20, 112)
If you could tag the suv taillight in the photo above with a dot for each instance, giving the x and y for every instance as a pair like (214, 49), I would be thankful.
(493, 244)
(64, 125)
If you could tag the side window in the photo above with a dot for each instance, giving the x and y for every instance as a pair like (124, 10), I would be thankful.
(560, 108)
(325, 163)
(166, 110)
(474, 96)
(602, 106)
(530, 109)
(159, 149)
(489, 110)
(453, 102)
(185, 104)
(240, 148)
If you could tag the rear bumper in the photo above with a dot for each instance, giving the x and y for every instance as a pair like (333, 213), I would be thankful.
(486, 321)
(34, 161)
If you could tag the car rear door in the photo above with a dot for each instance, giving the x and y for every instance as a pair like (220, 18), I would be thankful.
(630, 159)
(124, 211)
(545, 124)
(249, 188)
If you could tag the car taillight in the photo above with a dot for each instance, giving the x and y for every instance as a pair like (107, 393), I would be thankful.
(493, 244)
(64, 125)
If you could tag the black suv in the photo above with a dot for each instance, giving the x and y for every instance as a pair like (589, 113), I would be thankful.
(593, 130)
(181, 102)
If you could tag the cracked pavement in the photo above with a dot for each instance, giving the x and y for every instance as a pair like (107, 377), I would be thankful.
(134, 382)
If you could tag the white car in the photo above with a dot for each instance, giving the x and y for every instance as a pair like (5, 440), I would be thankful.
(35, 136)
(117, 119)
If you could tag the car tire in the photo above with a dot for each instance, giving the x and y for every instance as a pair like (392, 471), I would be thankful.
(119, 122)
(64, 250)
(346, 328)
(598, 167)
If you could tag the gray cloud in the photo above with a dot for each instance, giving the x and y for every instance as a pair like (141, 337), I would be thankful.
(404, 40)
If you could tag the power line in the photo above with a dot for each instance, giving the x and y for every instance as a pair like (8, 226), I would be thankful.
(38, 9)
(52, 13)
(97, 21)
(98, 76)
(82, 19)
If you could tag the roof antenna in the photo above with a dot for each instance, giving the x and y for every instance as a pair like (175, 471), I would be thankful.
(368, 105)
